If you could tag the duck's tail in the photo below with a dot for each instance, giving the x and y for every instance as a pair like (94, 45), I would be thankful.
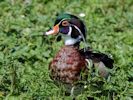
(98, 57)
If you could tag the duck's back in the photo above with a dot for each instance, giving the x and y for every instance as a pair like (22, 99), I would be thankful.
(67, 65)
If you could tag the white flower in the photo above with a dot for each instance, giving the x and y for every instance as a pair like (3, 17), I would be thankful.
(82, 14)
(85, 86)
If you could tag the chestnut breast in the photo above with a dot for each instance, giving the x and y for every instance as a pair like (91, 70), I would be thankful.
(67, 65)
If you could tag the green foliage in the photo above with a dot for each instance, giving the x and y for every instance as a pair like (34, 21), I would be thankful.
(24, 59)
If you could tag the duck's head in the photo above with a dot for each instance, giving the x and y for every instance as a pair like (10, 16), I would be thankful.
(70, 27)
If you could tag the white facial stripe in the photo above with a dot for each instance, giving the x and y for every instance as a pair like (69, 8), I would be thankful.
(63, 20)
(77, 29)
(70, 31)
(81, 35)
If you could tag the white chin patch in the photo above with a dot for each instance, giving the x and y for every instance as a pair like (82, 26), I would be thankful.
(70, 41)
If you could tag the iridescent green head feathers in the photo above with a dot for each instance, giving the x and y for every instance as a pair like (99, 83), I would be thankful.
(70, 27)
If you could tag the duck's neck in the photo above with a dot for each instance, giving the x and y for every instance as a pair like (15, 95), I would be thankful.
(76, 45)
(68, 40)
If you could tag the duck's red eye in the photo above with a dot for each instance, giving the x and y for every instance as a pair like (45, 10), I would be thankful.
(65, 23)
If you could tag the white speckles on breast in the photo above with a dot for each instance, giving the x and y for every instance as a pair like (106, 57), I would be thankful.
(67, 65)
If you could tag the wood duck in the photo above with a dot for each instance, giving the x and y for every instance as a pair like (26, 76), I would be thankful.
(68, 64)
